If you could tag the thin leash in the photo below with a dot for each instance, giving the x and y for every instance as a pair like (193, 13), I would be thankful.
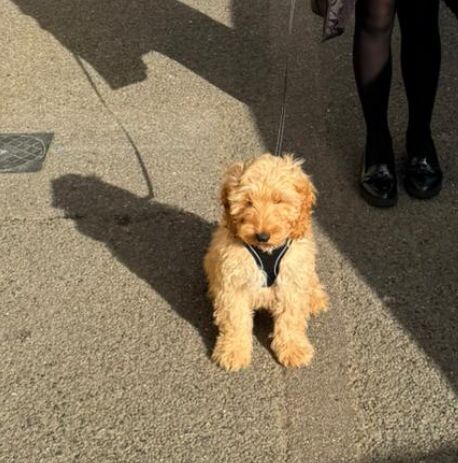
(140, 161)
(281, 128)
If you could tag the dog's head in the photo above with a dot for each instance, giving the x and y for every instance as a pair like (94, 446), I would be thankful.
(268, 200)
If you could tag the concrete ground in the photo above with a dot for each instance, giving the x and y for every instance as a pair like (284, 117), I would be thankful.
(105, 330)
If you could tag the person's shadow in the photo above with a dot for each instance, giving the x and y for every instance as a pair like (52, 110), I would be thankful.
(113, 36)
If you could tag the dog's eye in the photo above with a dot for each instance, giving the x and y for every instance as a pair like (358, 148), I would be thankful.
(249, 203)
(278, 200)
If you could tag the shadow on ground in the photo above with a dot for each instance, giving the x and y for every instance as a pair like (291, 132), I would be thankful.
(113, 36)
(162, 245)
(443, 455)
(407, 255)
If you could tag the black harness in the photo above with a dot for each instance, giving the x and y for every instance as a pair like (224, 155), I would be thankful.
(269, 263)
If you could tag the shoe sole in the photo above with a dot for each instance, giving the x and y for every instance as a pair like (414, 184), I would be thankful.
(422, 195)
(377, 202)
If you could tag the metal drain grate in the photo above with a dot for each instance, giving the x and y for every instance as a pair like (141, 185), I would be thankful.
(23, 152)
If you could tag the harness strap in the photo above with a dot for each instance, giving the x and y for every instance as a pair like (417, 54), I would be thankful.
(269, 263)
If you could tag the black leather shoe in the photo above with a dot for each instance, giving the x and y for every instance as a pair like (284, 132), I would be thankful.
(423, 178)
(378, 185)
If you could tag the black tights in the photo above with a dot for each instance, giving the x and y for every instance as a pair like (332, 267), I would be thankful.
(420, 61)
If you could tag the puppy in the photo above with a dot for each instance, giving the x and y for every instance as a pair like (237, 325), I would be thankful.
(262, 255)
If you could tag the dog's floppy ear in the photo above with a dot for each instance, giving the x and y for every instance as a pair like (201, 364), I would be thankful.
(231, 181)
(307, 191)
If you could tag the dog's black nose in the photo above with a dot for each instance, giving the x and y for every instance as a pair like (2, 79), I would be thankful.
(262, 237)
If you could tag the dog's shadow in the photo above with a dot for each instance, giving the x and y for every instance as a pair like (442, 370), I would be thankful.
(162, 245)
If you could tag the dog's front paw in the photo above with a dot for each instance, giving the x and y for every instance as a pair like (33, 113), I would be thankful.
(294, 353)
(231, 357)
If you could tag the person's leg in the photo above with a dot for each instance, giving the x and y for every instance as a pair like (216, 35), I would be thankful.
(420, 59)
(372, 66)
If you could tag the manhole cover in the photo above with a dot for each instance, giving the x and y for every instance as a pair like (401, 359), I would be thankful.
(23, 152)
